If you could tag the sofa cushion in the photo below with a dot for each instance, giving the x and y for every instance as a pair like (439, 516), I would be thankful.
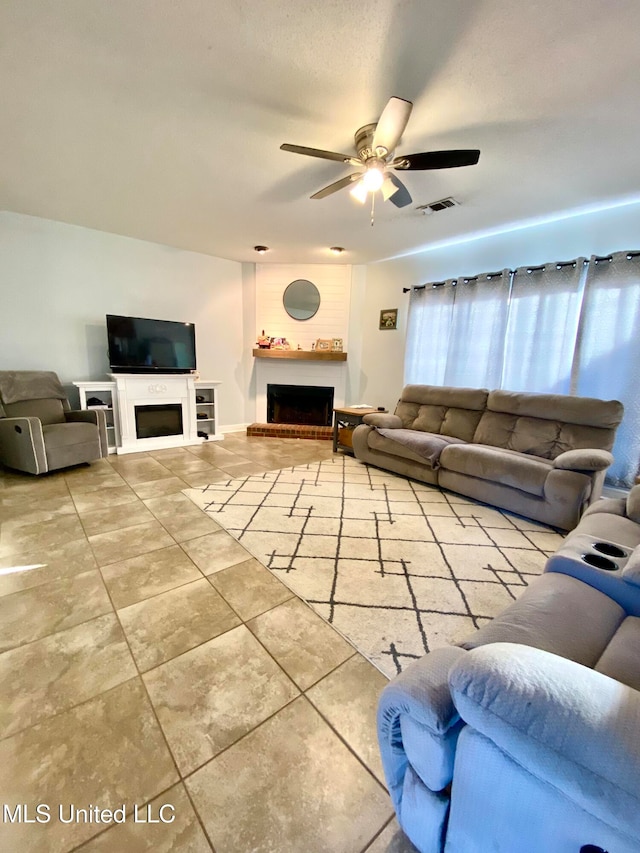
(621, 658)
(537, 436)
(447, 396)
(540, 617)
(526, 435)
(610, 527)
(586, 411)
(47, 411)
(447, 411)
(64, 435)
(547, 424)
(425, 444)
(633, 504)
(498, 465)
(377, 441)
(454, 422)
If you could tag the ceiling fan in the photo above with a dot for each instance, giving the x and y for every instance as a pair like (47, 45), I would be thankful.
(375, 144)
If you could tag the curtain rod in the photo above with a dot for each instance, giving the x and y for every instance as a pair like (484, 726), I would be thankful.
(558, 265)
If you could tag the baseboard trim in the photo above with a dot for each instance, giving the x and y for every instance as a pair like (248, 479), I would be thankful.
(233, 428)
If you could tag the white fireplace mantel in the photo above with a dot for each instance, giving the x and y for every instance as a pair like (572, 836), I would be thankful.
(134, 389)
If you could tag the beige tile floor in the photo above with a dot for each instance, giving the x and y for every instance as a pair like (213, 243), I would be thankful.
(146, 659)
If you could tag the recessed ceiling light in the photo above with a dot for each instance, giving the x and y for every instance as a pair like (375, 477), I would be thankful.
(337, 250)
(261, 249)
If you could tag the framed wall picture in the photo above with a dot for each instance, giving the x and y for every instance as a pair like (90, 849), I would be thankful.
(324, 344)
(389, 318)
(336, 345)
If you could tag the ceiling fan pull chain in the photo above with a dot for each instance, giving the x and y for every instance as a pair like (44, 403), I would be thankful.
(373, 204)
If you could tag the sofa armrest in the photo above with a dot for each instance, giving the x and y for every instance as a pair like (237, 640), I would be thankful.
(382, 420)
(92, 416)
(575, 728)
(418, 701)
(583, 460)
(22, 444)
(608, 506)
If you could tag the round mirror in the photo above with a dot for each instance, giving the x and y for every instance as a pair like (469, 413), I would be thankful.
(301, 299)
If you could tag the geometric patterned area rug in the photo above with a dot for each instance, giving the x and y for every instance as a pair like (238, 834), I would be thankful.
(396, 566)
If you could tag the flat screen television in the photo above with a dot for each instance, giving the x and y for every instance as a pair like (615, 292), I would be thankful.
(138, 345)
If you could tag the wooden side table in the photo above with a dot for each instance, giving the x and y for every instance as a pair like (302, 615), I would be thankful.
(344, 422)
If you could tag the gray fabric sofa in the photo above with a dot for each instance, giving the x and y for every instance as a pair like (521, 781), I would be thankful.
(38, 430)
(543, 456)
(526, 736)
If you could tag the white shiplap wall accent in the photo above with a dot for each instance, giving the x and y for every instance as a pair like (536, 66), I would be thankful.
(332, 320)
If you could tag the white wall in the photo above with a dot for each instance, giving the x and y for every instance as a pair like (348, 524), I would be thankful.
(58, 281)
(383, 351)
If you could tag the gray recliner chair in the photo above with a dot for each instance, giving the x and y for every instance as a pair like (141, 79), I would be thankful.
(38, 430)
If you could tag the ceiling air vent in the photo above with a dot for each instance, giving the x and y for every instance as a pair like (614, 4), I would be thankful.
(436, 206)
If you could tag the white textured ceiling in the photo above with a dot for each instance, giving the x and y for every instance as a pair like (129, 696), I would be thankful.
(162, 119)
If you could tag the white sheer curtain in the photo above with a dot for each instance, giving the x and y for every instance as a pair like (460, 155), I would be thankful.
(428, 331)
(608, 353)
(542, 327)
(478, 326)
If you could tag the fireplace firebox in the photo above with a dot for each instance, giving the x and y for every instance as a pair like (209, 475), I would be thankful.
(158, 420)
(299, 404)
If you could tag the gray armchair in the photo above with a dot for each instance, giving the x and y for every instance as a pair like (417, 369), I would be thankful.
(38, 430)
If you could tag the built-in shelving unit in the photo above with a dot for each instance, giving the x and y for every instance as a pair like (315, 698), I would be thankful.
(106, 393)
(300, 355)
(207, 406)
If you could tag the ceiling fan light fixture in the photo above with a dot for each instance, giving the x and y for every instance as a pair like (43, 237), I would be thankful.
(373, 178)
(375, 144)
(336, 250)
(359, 191)
(261, 250)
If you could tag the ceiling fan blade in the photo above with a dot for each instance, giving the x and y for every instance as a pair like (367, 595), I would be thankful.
(391, 124)
(337, 185)
(401, 197)
(437, 159)
(317, 152)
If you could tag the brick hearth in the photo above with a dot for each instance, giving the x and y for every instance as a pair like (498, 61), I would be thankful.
(291, 431)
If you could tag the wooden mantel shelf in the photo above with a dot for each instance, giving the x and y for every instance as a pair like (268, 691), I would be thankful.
(311, 355)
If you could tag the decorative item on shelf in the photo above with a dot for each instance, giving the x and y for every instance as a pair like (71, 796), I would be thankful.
(313, 346)
(336, 345)
(202, 416)
(264, 341)
(389, 318)
(324, 345)
(200, 398)
(280, 343)
(95, 402)
(299, 347)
